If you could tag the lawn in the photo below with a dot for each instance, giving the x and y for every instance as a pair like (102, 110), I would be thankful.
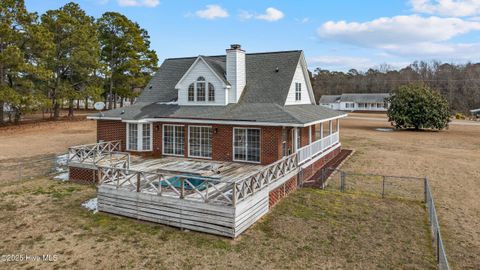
(309, 229)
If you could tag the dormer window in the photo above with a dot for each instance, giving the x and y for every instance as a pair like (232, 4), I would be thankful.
(211, 92)
(298, 91)
(198, 91)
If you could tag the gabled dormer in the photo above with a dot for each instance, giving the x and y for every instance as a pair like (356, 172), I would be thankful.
(301, 90)
(204, 83)
(214, 81)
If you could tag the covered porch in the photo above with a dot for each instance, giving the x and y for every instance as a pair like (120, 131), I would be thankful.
(314, 140)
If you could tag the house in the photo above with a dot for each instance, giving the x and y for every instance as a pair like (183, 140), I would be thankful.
(212, 143)
(356, 102)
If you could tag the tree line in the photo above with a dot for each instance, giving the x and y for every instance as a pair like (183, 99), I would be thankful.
(64, 55)
(459, 84)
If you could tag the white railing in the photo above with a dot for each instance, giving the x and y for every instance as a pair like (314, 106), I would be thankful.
(248, 186)
(308, 152)
(196, 187)
(98, 152)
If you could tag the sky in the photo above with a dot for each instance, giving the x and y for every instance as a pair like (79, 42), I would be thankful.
(334, 34)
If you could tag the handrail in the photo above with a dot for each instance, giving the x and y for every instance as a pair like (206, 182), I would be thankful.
(92, 153)
(311, 150)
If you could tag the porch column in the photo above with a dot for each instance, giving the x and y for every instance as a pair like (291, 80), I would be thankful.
(321, 130)
(330, 125)
(338, 125)
(295, 139)
(309, 134)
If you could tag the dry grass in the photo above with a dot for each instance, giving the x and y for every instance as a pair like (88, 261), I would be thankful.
(309, 229)
(449, 158)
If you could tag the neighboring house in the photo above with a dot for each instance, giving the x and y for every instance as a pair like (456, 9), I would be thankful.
(356, 102)
(223, 138)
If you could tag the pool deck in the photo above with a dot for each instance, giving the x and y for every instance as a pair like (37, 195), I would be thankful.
(226, 171)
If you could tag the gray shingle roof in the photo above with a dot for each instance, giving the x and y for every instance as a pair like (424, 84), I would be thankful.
(262, 100)
(365, 98)
(253, 112)
(330, 98)
(264, 84)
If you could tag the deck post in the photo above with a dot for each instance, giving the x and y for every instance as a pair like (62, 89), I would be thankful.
(182, 188)
(234, 194)
(138, 182)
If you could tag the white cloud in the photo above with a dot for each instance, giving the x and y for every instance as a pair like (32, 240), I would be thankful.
(456, 8)
(271, 15)
(411, 36)
(138, 3)
(397, 30)
(212, 12)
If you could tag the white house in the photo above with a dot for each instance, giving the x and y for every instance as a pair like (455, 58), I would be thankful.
(356, 102)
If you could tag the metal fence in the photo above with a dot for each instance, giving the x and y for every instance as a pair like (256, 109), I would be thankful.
(51, 165)
(404, 187)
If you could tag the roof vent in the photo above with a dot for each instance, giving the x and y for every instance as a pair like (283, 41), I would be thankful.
(235, 47)
(277, 69)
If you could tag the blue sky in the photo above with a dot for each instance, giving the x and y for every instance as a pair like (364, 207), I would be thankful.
(335, 34)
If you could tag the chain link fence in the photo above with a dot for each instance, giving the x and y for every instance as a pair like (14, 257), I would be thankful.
(402, 187)
(52, 165)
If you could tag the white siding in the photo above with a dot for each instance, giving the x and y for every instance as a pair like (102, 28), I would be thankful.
(201, 69)
(333, 106)
(299, 77)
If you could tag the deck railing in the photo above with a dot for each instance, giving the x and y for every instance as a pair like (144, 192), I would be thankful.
(196, 187)
(188, 187)
(252, 184)
(93, 153)
(308, 152)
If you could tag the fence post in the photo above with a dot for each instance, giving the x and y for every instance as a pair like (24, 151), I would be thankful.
(383, 187)
(425, 189)
(234, 194)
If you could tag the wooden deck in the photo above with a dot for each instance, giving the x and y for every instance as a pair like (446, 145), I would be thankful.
(227, 171)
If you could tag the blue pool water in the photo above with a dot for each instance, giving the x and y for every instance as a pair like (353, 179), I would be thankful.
(177, 183)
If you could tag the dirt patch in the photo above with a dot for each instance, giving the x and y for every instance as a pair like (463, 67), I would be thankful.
(39, 139)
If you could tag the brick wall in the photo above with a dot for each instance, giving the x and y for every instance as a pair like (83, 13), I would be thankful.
(82, 175)
(108, 130)
(317, 165)
(282, 191)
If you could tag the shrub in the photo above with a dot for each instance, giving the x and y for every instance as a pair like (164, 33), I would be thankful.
(418, 106)
(460, 116)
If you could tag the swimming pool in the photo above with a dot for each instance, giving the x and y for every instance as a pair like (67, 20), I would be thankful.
(176, 182)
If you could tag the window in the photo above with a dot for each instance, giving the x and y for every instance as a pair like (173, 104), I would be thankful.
(200, 141)
(211, 92)
(191, 92)
(380, 105)
(173, 140)
(298, 91)
(132, 137)
(299, 138)
(200, 89)
(139, 137)
(246, 144)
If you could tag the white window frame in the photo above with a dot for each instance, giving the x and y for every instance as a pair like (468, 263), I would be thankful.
(188, 138)
(246, 147)
(139, 137)
(174, 144)
(298, 91)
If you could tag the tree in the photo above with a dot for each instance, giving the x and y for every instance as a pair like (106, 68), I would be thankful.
(418, 106)
(125, 51)
(75, 56)
(22, 42)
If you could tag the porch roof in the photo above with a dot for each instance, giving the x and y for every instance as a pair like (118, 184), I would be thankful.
(244, 113)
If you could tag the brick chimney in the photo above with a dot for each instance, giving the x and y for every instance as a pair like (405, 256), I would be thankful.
(236, 73)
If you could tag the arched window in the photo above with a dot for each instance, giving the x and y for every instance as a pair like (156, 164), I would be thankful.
(211, 92)
(191, 92)
(201, 89)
